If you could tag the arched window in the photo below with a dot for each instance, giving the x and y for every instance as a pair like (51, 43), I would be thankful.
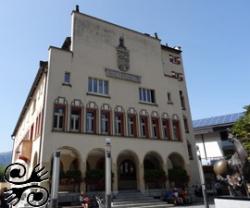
(144, 126)
(76, 116)
(176, 128)
(91, 117)
(119, 121)
(155, 125)
(132, 122)
(106, 112)
(59, 115)
(166, 130)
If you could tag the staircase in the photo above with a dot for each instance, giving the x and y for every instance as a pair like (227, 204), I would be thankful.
(135, 199)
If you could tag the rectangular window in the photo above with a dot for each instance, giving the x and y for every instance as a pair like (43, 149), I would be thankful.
(75, 119)
(147, 95)
(155, 128)
(98, 86)
(169, 98)
(182, 100)
(58, 118)
(91, 121)
(166, 129)
(67, 77)
(132, 125)
(144, 126)
(119, 124)
(105, 122)
(185, 121)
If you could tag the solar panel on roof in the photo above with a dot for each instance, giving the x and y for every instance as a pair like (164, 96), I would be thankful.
(216, 120)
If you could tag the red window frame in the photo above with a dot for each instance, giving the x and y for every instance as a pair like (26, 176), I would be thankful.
(134, 117)
(79, 109)
(145, 118)
(156, 120)
(166, 123)
(178, 129)
(91, 110)
(64, 117)
(121, 114)
(108, 113)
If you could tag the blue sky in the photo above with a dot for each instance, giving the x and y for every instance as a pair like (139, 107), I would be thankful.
(214, 36)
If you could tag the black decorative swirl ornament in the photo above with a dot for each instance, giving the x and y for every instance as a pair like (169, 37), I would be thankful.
(37, 195)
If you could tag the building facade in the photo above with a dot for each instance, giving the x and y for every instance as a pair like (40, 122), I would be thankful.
(107, 81)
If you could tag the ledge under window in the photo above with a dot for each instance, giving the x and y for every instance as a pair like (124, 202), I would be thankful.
(147, 103)
(170, 102)
(66, 84)
(98, 95)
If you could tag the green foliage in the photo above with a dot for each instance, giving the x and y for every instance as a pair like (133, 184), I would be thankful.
(241, 129)
(179, 176)
(95, 174)
(74, 174)
(155, 175)
(2, 170)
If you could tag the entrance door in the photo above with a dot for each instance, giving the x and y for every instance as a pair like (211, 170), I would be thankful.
(127, 175)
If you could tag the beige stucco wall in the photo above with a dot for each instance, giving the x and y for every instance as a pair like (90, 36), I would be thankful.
(93, 47)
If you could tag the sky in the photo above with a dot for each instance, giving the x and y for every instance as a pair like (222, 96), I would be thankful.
(214, 36)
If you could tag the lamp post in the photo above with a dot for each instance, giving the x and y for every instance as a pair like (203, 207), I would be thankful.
(203, 183)
(108, 172)
(55, 180)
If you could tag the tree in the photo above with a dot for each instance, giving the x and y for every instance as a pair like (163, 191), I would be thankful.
(2, 169)
(241, 129)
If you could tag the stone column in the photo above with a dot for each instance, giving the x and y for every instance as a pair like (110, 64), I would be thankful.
(82, 167)
(115, 178)
(141, 178)
(165, 168)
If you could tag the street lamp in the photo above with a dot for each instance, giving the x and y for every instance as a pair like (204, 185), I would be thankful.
(108, 172)
(203, 183)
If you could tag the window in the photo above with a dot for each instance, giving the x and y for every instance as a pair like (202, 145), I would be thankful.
(67, 78)
(166, 129)
(224, 135)
(144, 126)
(59, 117)
(169, 98)
(176, 129)
(175, 59)
(182, 100)
(98, 86)
(155, 128)
(185, 121)
(105, 122)
(75, 119)
(132, 125)
(190, 152)
(119, 123)
(147, 95)
(91, 121)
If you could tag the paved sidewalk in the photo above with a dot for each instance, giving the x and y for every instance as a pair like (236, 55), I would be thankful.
(196, 206)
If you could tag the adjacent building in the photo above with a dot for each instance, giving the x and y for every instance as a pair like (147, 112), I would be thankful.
(211, 137)
(107, 81)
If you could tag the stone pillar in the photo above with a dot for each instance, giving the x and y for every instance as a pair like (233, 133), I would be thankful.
(165, 168)
(115, 178)
(82, 167)
(141, 178)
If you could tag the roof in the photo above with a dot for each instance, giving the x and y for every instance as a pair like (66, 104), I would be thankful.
(43, 65)
(217, 120)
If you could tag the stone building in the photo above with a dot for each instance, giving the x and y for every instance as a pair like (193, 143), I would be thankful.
(107, 81)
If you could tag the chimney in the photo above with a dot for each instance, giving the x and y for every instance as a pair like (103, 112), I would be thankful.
(77, 8)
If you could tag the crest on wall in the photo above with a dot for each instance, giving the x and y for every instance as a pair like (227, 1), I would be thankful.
(122, 56)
